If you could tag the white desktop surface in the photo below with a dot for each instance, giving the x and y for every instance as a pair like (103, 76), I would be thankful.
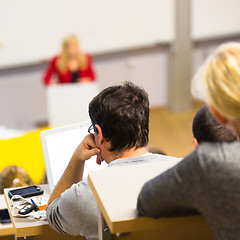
(116, 190)
(128, 181)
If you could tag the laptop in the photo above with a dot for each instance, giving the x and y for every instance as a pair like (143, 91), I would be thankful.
(58, 146)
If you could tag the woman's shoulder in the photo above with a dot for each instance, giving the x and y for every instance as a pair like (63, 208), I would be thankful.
(219, 155)
(55, 58)
(54, 61)
(88, 56)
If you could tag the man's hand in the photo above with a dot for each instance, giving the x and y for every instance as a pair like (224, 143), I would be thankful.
(86, 149)
(74, 171)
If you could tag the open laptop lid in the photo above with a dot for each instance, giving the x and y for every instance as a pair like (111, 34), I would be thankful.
(58, 147)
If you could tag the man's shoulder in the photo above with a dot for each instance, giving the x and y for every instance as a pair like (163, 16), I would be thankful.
(146, 158)
(77, 191)
(157, 157)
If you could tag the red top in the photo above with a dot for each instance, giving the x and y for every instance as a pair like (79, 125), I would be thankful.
(66, 77)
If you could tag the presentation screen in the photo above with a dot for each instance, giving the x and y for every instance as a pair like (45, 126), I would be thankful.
(32, 31)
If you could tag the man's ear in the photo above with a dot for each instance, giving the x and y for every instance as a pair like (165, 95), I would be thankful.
(219, 117)
(195, 141)
(99, 137)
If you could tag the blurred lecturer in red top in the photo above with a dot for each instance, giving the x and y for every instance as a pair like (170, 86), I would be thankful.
(71, 66)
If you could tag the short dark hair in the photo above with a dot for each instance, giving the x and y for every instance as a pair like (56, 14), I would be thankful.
(122, 112)
(206, 129)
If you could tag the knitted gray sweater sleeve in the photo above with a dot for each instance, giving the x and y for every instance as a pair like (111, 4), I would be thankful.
(171, 192)
(207, 180)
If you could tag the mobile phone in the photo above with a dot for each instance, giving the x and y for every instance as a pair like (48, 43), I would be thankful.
(26, 191)
(4, 216)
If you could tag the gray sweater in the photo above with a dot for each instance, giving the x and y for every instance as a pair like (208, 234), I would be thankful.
(76, 211)
(208, 181)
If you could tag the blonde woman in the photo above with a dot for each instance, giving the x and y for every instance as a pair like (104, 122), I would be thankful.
(207, 181)
(71, 66)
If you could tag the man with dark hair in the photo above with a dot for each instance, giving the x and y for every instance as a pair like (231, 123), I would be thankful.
(120, 119)
(122, 113)
(206, 129)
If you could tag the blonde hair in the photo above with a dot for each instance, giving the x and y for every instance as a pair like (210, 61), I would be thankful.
(221, 76)
(14, 176)
(62, 63)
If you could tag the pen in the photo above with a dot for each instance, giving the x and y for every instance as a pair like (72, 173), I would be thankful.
(34, 204)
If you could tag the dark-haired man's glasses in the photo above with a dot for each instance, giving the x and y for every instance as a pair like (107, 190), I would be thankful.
(91, 129)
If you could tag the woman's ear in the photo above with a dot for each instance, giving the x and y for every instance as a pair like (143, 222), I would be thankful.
(219, 117)
(99, 137)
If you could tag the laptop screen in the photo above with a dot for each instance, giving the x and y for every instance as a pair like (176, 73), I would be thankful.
(58, 147)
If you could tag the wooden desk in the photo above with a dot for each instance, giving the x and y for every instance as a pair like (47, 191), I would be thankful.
(40, 229)
(24, 226)
(5, 228)
(116, 190)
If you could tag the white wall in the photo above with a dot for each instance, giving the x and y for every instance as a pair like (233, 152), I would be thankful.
(215, 18)
(148, 69)
(23, 97)
(31, 31)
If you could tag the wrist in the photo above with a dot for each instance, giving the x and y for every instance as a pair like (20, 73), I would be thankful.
(78, 159)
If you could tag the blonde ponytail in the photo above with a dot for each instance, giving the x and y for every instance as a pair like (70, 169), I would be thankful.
(221, 76)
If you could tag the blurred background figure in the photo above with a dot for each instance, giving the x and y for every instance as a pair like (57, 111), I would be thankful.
(206, 129)
(14, 176)
(71, 66)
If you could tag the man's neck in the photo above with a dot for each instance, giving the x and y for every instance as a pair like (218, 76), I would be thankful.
(133, 152)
